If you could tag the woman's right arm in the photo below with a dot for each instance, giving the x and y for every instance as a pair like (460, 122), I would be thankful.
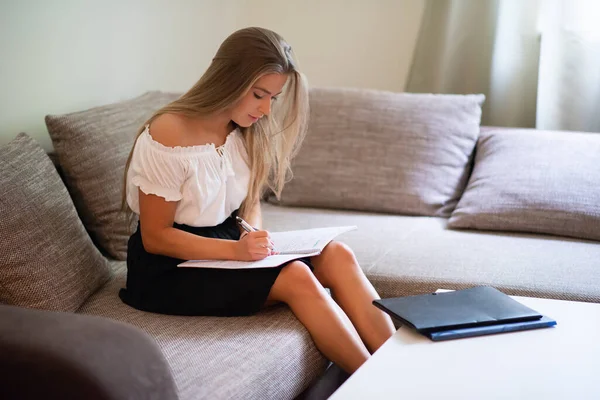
(160, 237)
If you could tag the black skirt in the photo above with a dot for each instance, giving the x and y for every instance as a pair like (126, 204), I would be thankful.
(156, 284)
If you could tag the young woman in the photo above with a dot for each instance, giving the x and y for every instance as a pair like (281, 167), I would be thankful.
(206, 158)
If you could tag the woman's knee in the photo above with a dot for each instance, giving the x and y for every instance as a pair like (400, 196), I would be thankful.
(336, 260)
(295, 280)
(339, 251)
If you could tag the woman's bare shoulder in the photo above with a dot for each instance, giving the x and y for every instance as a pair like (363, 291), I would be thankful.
(169, 130)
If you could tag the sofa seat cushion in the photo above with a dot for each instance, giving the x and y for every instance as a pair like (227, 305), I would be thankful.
(266, 356)
(404, 255)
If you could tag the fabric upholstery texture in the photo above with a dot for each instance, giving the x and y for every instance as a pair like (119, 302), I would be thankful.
(269, 355)
(399, 153)
(404, 255)
(92, 147)
(534, 181)
(47, 259)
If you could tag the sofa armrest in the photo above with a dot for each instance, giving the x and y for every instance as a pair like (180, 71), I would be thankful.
(54, 355)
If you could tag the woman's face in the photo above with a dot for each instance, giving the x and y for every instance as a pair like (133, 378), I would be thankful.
(257, 102)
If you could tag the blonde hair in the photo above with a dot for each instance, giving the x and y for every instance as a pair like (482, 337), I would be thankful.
(271, 143)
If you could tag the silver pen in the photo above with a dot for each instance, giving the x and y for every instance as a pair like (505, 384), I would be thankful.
(249, 228)
(245, 226)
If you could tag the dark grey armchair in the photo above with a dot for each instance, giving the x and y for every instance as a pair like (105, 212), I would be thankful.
(54, 355)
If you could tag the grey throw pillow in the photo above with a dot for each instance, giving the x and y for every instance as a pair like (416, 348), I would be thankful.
(534, 181)
(47, 259)
(399, 153)
(92, 148)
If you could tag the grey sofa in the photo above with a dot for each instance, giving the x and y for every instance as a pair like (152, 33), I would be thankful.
(415, 173)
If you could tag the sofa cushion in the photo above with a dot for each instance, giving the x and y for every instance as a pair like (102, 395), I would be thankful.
(404, 255)
(47, 259)
(390, 152)
(92, 147)
(269, 355)
(534, 181)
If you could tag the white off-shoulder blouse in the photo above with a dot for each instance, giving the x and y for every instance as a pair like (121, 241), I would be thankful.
(208, 182)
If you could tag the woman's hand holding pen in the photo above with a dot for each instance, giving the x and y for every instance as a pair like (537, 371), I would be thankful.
(255, 245)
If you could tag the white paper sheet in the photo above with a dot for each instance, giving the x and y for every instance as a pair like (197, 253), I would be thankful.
(295, 244)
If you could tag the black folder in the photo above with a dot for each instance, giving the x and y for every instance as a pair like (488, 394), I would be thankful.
(467, 308)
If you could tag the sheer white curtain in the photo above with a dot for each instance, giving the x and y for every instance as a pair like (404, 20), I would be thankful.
(537, 61)
(512, 89)
(569, 74)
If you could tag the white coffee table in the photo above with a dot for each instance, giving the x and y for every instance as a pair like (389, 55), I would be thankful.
(551, 363)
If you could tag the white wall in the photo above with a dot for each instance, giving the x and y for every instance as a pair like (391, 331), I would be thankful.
(359, 43)
(61, 56)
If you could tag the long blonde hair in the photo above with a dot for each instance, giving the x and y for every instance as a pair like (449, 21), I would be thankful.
(274, 140)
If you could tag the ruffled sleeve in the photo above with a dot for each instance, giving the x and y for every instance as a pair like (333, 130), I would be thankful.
(157, 170)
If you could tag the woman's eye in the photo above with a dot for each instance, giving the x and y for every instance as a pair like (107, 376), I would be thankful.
(257, 96)
(274, 98)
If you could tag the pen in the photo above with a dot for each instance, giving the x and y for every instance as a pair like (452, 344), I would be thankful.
(249, 228)
(245, 226)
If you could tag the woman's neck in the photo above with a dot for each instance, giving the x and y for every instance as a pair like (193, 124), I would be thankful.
(217, 124)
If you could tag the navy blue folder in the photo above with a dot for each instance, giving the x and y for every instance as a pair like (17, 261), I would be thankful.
(448, 334)
(469, 312)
